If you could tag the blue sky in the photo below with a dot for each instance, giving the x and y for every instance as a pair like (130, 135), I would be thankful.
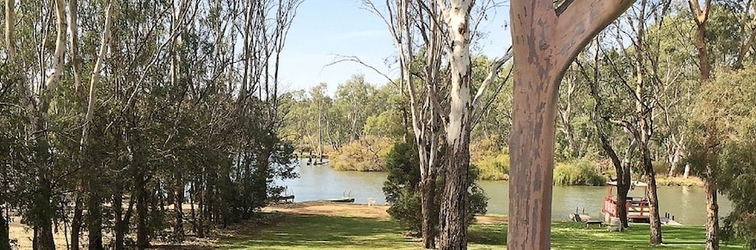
(324, 29)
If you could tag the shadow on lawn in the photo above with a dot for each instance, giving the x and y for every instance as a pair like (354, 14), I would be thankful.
(318, 231)
(297, 231)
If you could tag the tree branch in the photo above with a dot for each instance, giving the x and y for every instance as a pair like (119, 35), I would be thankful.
(493, 74)
(355, 59)
(582, 20)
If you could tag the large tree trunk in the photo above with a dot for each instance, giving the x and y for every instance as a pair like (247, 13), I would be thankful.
(44, 229)
(455, 197)
(455, 202)
(429, 209)
(545, 41)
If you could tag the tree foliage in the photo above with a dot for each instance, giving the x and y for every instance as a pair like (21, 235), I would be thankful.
(402, 188)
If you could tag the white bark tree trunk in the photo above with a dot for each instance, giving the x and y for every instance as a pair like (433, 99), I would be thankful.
(455, 201)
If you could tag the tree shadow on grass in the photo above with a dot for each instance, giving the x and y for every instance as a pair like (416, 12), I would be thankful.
(293, 231)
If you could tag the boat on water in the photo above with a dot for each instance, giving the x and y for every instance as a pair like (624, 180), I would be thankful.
(341, 200)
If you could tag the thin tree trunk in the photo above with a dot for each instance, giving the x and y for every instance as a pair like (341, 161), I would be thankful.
(73, 39)
(76, 223)
(10, 21)
(712, 214)
(178, 202)
(121, 225)
(654, 220)
(4, 228)
(94, 220)
(141, 205)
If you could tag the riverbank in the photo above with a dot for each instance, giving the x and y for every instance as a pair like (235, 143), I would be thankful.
(352, 226)
(318, 225)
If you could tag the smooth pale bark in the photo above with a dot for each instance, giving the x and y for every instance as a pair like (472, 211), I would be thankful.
(545, 41)
(10, 21)
(94, 217)
(424, 119)
(73, 40)
(43, 223)
(455, 199)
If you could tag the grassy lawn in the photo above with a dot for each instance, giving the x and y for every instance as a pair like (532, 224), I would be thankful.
(331, 232)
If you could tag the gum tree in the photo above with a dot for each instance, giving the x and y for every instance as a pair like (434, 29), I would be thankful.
(546, 39)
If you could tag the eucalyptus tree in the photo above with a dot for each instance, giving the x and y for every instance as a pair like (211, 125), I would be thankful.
(433, 48)
(707, 142)
(546, 40)
(599, 68)
(354, 97)
(720, 149)
(40, 79)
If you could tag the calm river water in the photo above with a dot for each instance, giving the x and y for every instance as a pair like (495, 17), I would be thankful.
(687, 204)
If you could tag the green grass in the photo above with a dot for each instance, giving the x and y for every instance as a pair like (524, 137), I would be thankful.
(324, 232)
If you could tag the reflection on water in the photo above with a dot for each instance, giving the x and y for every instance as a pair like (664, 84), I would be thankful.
(688, 204)
(322, 182)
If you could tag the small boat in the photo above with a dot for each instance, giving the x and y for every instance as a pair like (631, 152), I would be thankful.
(344, 198)
(341, 200)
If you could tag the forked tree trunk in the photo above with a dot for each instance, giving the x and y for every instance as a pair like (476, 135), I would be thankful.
(545, 41)
(701, 16)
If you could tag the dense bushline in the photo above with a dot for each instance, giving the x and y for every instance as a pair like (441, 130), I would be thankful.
(115, 115)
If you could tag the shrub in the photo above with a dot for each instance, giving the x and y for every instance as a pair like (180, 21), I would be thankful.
(491, 159)
(580, 172)
(660, 167)
(367, 154)
(494, 168)
(401, 188)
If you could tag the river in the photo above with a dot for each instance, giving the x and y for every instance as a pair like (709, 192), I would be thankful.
(687, 204)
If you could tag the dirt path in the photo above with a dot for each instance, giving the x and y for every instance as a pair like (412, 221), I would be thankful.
(357, 210)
